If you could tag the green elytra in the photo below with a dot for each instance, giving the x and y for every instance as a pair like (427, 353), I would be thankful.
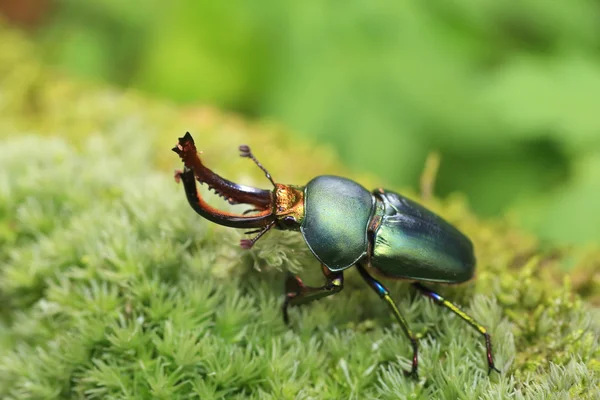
(344, 225)
(408, 242)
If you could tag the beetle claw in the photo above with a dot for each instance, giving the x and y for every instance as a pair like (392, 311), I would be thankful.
(412, 374)
(490, 358)
(415, 360)
(493, 367)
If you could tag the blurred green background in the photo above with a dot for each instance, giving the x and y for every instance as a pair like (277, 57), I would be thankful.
(507, 92)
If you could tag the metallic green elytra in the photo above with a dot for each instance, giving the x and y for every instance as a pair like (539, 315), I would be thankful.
(414, 243)
(344, 225)
(409, 241)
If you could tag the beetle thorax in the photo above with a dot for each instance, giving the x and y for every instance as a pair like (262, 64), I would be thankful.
(289, 206)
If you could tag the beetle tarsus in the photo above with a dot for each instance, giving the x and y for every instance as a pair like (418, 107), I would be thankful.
(246, 244)
(293, 287)
(490, 357)
(439, 300)
(284, 309)
(492, 367)
(413, 373)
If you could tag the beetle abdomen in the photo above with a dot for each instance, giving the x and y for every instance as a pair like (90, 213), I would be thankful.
(337, 214)
(414, 243)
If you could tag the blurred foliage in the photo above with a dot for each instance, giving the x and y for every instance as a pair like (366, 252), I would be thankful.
(112, 287)
(506, 92)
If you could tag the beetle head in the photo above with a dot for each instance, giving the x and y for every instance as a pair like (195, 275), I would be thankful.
(289, 206)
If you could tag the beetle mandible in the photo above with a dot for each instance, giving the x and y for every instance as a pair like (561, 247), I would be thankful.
(344, 225)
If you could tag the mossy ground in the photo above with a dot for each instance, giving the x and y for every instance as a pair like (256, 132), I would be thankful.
(111, 287)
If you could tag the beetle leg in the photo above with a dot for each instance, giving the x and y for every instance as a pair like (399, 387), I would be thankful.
(248, 243)
(439, 300)
(385, 295)
(298, 293)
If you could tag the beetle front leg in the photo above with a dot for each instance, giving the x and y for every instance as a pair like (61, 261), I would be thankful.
(439, 300)
(385, 295)
(298, 293)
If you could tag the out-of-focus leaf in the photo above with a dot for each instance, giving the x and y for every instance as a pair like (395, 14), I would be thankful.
(559, 97)
(221, 48)
(497, 181)
(85, 53)
(570, 215)
(126, 12)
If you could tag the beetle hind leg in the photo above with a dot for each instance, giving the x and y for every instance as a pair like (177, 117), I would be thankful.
(298, 293)
(385, 295)
(439, 300)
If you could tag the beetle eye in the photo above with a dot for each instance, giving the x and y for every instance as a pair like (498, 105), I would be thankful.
(289, 221)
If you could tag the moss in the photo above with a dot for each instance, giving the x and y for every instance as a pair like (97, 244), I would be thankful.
(112, 288)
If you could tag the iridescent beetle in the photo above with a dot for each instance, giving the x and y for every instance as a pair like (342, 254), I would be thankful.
(344, 225)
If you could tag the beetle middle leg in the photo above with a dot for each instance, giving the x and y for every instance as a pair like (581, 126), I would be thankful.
(385, 295)
(439, 300)
(298, 293)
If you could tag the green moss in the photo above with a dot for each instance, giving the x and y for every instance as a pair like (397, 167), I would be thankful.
(111, 287)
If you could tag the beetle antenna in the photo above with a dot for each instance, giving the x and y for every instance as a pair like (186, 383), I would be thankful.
(245, 152)
(248, 243)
